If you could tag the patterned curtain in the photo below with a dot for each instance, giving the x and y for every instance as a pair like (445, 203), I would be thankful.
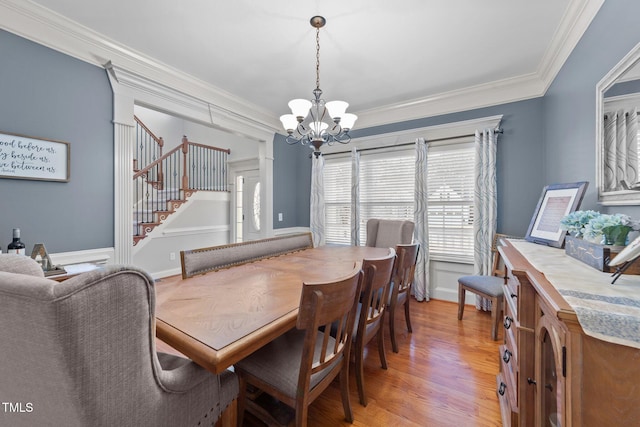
(621, 149)
(421, 233)
(355, 197)
(485, 206)
(317, 212)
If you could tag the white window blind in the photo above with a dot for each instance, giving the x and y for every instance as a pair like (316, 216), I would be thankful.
(450, 186)
(387, 181)
(337, 200)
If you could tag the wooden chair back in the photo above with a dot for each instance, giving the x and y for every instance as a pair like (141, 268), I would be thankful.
(498, 266)
(405, 270)
(321, 306)
(373, 306)
(375, 294)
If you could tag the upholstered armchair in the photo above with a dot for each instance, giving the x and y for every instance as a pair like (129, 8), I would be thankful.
(387, 233)
(12, 263)
(82, 353)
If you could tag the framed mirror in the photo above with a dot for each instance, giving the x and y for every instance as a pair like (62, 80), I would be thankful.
(617, 137)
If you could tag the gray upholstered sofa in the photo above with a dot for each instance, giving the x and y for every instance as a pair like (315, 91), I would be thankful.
(82, 353)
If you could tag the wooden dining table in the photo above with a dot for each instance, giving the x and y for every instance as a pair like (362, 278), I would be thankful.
(218, 318)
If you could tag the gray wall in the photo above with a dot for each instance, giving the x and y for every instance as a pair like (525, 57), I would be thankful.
(550, 139)
(291, 183)
(520, 155)
(49, 95)
(569, 104)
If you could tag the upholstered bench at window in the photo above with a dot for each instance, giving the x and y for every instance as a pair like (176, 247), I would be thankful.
(204, 260)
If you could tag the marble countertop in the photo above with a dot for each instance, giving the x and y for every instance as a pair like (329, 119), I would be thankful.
(605, 311)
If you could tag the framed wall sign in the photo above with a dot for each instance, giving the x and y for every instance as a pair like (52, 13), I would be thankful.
(25, 157)
(557, 200)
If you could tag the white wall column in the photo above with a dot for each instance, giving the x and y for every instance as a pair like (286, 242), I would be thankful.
(266, 177)
(124, 139)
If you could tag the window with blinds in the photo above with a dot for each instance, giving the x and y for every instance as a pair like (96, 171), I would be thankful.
(387, 181)
(450, 186)
(337, 200)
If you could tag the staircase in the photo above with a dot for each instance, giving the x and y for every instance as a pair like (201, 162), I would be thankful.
(163, 183)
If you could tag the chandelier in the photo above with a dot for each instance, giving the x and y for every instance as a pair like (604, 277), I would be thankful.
(317, 122)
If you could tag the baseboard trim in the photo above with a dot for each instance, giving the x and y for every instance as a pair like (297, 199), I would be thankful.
(290, 230)
(166, 273)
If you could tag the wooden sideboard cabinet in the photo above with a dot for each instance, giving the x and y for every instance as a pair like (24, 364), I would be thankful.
(551, 372)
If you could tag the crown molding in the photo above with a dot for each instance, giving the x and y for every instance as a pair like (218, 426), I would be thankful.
(574, 23)
(45, 27)
(152, 94)
(485, 95)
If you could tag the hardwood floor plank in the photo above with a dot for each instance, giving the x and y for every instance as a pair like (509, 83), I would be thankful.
(444, 375)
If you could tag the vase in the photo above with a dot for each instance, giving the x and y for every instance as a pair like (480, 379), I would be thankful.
(616, 235)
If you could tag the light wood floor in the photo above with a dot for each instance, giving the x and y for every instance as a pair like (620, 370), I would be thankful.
(444, 375)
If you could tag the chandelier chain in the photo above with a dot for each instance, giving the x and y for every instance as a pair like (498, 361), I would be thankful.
(318, 58)
(315, 122)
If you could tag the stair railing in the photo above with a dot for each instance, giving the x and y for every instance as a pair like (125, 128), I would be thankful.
(164, 184)
(148, 146)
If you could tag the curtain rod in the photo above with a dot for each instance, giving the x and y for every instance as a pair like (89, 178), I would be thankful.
(496, 130)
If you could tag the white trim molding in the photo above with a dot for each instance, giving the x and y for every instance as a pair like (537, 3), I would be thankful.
(290, 230)
(485, 95)
(622, 197)
(575, 21)
(177, 100)
(147, 75)
(215, 106)
(447, 130)
(95, 256)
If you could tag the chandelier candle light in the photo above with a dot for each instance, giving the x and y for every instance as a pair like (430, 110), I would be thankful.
(315, 122)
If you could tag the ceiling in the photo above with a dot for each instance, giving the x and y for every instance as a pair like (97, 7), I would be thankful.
(373, 53)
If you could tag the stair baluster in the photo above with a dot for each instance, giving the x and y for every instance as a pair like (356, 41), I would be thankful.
(164, 184)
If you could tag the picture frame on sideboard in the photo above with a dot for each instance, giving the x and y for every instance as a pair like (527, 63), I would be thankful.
(556, 201)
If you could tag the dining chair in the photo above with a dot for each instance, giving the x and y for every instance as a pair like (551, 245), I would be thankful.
(13, 263)
(401, 287)
(82, 353)
(298, 366)
(370, 313)
(489, 286)
(387, 233)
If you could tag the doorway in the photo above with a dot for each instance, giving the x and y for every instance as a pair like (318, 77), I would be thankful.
(248, 206)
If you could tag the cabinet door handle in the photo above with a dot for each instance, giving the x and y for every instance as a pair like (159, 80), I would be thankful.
(514, 296)
(549, 387)
(506, 356)
(502, 389)
(531, 381)
(507, 322)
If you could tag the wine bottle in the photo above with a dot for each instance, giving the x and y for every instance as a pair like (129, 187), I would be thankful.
(16, 246)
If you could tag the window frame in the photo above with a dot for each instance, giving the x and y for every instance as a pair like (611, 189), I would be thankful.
(438, 136)
(404, 151)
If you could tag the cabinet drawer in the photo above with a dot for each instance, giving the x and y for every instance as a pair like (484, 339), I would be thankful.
(512, 291)
(507, 413)
(510, 325)
(509, 374)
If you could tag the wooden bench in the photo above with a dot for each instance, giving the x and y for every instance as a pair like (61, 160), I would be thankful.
(204, 260)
